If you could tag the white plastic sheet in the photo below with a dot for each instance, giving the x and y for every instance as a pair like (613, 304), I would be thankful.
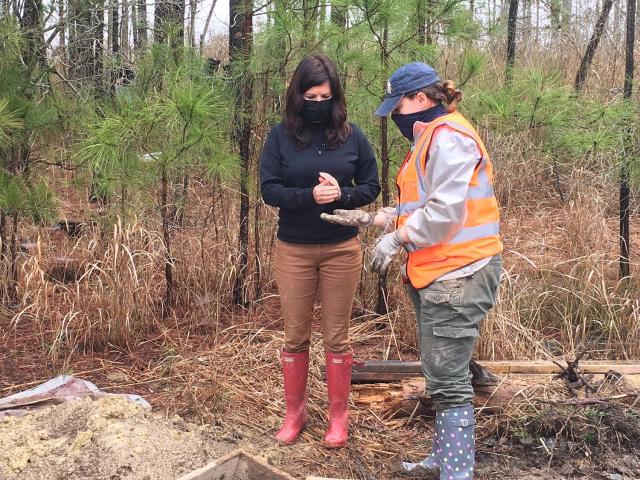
(57, 390)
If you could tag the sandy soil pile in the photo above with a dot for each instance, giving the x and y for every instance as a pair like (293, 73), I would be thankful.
(109, 438)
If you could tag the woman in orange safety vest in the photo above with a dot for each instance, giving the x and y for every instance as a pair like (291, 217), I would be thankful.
(447, 220)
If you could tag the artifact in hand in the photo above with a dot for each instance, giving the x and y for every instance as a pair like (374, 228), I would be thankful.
(349, 218)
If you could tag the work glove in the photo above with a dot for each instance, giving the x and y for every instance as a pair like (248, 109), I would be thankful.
(389, 215)
(384, 250)
(349, 218)
(384, 218)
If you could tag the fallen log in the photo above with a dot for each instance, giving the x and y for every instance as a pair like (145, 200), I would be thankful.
(406, 398)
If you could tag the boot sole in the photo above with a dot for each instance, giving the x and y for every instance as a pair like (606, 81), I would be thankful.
(335, 445)
(286, 443)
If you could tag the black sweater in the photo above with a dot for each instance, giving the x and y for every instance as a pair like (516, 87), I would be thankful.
(288, 176)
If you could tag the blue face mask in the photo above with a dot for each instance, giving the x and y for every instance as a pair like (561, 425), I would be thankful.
(405, 122)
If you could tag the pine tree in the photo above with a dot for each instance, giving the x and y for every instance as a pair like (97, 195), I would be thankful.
(147, 136)
(24, 115)
(625, 170)
(240, 50)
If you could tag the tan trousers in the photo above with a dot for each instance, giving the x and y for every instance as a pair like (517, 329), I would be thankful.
(330, 271)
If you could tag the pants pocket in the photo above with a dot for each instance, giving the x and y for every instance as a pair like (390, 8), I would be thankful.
(454, 332)
(445, 359)
(441, 300)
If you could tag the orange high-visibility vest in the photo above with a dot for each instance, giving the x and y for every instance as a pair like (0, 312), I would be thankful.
(479, 237)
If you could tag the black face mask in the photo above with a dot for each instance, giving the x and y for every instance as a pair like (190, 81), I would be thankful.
(405, 122)
(318, 112)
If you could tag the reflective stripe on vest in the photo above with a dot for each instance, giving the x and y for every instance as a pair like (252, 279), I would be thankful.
(479, 238)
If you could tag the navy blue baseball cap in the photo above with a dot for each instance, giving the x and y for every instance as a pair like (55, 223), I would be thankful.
(406, 79)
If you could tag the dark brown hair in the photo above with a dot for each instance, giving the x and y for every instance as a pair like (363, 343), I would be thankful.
(442, 92)
(312, 71)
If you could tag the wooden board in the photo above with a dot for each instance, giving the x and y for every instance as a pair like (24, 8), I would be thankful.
(396, 370)
(237, 465)
(547, 366)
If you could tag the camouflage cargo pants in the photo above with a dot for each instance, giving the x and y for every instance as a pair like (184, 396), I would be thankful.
(449, 314)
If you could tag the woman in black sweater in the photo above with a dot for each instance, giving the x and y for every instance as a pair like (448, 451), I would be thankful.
(312, 163)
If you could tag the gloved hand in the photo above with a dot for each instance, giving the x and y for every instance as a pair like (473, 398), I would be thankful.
(349, 218)
(385, 218)
(385, 249)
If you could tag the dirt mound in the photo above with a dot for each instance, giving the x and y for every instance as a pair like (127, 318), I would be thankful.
(110, 438)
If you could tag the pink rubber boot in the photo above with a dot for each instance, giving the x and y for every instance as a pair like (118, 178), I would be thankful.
(339, 386)
(295, 367)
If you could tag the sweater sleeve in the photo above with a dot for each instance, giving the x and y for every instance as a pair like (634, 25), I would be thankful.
(271, 185)
(366, 186)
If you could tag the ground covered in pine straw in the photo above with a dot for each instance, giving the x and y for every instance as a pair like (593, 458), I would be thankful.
(226, 381)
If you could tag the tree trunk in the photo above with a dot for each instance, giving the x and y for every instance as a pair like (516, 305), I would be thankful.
(109, 4)
(169, 22)
(430, 16)
(179, 9)
(583, 71)
(4, 259)
(13, 262)
(63, 35)
(159, 14)
(526, 27)
(421, 20)
(134, 25)
(566, 14)
(240, 46)
(193, 10)
(142, 24)
(339, 16)
(98, 42)
(511, 39)
(309, 21)
(203, 35)
(555, 10)
(115, 27)
(111, 50)
(124, 30)
(383, 294)
(626, 167)
(166, 238)
(31, 25)
(619, 29)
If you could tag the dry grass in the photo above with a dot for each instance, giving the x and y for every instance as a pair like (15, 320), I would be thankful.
(560, 282)
(560, 290)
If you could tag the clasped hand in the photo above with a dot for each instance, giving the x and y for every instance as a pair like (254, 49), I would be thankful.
(327, 190)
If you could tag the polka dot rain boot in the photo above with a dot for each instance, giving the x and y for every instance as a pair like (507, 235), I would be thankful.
(456, 443)
(431, 463)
